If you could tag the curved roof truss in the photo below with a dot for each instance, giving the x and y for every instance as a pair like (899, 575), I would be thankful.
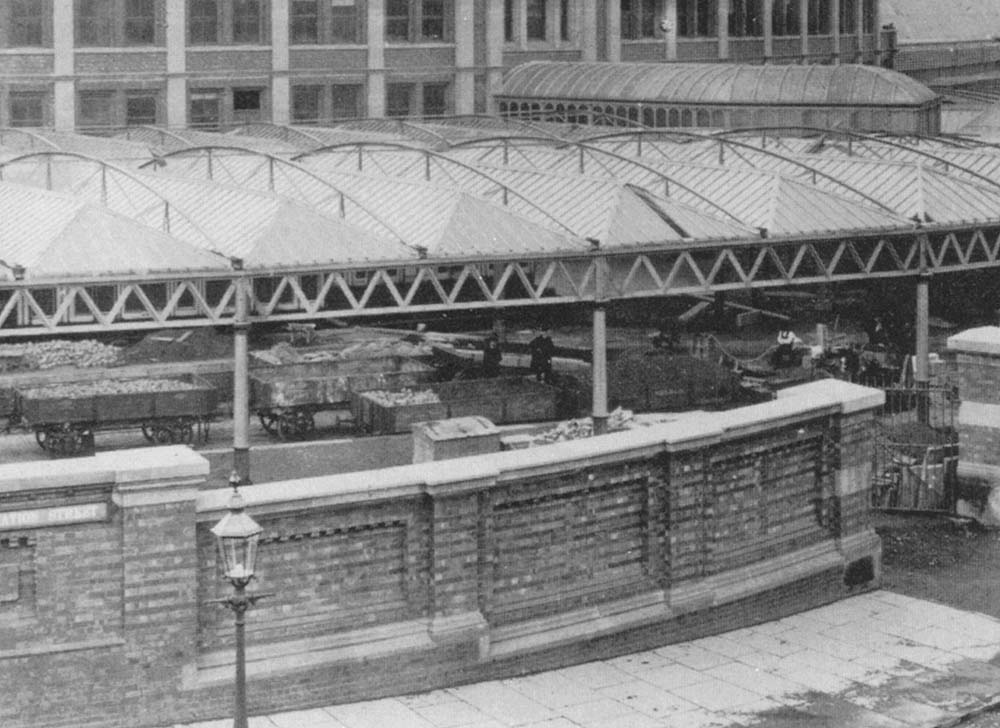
(293, 182)
(443, 160)
(791, 161)
(668, 180)
(31, 136)
(115, 188)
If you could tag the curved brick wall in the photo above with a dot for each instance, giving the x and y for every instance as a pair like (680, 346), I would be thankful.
(414, 577)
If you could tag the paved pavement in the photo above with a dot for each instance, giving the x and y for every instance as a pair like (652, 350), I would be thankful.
(880, 660)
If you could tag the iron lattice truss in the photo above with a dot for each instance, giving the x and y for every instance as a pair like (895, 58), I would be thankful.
(30, 308)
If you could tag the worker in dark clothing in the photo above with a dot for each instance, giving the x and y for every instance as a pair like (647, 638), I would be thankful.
(491, 356)
(541, 349)
(785, 354)
(669, 335)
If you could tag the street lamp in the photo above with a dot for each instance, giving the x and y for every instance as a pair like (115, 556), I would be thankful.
(237, 535)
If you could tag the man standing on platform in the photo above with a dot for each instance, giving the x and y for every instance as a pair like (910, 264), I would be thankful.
(541, 349)
(492, 356)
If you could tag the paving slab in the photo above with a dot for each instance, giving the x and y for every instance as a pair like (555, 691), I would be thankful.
(878, 660)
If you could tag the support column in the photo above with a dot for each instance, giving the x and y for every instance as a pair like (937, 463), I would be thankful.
(723, 25)
(599, 371)
(859, 31)
(376, 58)
(176, 101)
(768, 11)
(280, 82)
(241, 382)
(670, 29)
(613, 31)
(804, 27)
(921, 368)
(64, 91)
(465, 71)
(588, 31)
(835, 28)
(494, 53)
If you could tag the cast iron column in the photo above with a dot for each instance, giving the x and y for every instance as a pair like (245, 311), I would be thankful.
(241, 383)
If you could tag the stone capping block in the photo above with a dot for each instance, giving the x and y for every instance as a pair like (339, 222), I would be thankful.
(979, 414)
(849, 397)
(980, 340)
(474, 473)
(148, 466)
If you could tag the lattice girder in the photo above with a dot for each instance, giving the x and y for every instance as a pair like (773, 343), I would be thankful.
(44, 307)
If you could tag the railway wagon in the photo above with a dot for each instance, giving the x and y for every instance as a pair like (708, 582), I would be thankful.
(65, 416)
(287, 398)
(503, 400)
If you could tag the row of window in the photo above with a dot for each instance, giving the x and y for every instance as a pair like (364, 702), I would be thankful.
(699, 18)
(214, 108)
(655, 116)
(117, 23)
(537, 20)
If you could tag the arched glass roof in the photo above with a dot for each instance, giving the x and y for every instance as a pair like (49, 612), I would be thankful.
(715, 83)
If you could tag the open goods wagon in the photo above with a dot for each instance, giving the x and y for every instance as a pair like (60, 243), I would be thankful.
(502, 400)
(287, 398)
(65, 416)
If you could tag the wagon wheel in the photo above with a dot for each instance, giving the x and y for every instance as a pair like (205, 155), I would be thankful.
(162, 435)
(75, 442)
(304, 422)
(269, 421)
(182, 432)
(286, 426)
(147, 432)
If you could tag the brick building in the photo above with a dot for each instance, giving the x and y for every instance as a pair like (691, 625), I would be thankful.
(92, 64)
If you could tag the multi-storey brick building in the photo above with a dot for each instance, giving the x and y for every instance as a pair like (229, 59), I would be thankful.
(108, 63)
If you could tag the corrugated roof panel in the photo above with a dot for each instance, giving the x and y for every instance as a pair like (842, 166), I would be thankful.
(54, 235)
(722, 82)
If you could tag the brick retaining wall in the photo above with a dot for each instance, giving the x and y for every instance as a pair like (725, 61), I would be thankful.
(414, 577)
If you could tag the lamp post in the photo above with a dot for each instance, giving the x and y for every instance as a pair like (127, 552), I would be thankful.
(237, 535)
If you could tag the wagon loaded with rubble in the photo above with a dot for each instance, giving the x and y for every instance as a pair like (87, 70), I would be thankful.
(287, 393)
(64, 417)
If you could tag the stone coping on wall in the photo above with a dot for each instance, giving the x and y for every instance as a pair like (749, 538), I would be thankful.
(124, 468)
(981, 340)
(474, 472)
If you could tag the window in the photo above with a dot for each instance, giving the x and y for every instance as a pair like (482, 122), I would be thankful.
(95, 110)
(785, 17)
(28, 21)
(140, 22)
(848, 17)
(27, 108)
(535, 12)
(345, 102)
(306, 107)
(205, 109)
(819, 17)
(304, 21)
(564, 20)
(397, 20)
(432, 20)
(247, 21)
(640, 18)
(508, 20)
(745, 18)
(417, 20)
(868, 16)
(397, 99)
(697, 18)
(247, 104)
(203, 21)
(435, 98)
(344, 27)
(140, 109)
(94, 23)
